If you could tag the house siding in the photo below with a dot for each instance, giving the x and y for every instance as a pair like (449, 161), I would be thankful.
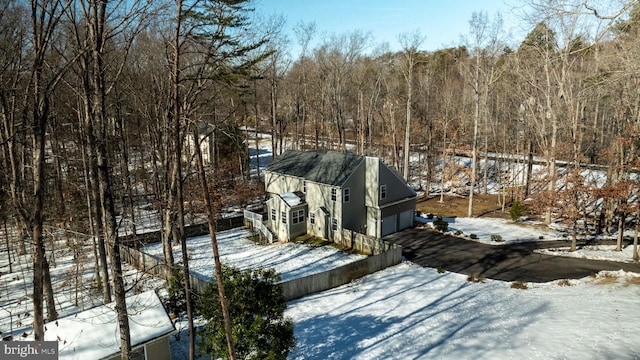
(277, 183)
(371, 177)
(289, 230)
(354, 212)
(397, 189)
(319, 195)
(363, 213)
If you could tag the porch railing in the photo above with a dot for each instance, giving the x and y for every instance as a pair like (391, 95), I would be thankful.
(254, 221)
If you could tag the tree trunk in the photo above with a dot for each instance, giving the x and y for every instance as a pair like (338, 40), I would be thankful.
(620, 234)
(37, 222)
(216, 254)
(407, 129)
(636, 255)
(97, 38)
(474, 148)
(177, 175)
(52, 313)
(94, 190)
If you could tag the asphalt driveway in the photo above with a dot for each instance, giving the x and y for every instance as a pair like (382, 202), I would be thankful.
(507, 262)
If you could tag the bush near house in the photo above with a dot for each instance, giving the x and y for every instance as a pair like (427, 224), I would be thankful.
(441, 225)
(496, 237)
(256, 307)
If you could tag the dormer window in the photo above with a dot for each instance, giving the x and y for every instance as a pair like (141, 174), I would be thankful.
(383, 192)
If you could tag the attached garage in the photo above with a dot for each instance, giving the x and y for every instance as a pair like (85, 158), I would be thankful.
(406, 220)
(389, 225)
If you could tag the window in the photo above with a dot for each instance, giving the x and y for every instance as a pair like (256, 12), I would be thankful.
(334, 224)
(334, 194)
(346, 195)
(304, 186)
(298, 216)
(273, 214)
(312, 218)
(138, 354)
(283, 215)
(383, 192)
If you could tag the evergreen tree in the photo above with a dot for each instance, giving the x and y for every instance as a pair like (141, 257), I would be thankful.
(256, 306)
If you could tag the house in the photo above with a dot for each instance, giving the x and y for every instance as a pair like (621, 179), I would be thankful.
(323, 193)
(94, 333)
(206, 139)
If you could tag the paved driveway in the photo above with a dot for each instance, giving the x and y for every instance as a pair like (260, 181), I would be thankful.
(508, 262)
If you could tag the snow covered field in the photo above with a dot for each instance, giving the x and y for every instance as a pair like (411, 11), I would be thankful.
(410, 312)
(291, 260)
(510, 232)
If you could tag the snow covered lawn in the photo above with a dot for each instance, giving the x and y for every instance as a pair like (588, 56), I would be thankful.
(595, 252)
(510, 232)
(410, 312)
(291, 260)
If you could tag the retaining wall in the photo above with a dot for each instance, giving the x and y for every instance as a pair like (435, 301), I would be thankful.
(297, 288)
(363, 244)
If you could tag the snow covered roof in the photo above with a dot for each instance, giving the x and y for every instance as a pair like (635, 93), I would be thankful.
(291, 199)
(94, 333)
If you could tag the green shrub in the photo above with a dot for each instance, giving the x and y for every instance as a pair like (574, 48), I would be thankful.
(516, 211)
(441, 225)
(176, 301)
(496, 237)
(519, 285)
(256, 307)
(473, 236)
(458, 232)
(440, 270)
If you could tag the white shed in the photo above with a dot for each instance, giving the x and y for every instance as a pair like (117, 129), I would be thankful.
(94, 333)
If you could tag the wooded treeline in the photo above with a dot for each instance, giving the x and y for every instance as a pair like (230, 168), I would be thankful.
(100, 103)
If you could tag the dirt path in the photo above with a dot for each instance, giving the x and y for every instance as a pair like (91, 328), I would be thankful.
(509, 262)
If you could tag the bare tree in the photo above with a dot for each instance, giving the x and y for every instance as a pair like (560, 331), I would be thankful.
(485, 44)
(410, 43)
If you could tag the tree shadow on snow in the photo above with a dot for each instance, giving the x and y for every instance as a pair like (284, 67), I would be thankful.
(453, 322)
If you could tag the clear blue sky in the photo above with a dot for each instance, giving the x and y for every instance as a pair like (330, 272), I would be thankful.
(440, 21)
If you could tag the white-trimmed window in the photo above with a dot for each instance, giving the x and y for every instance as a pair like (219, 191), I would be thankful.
(273, 214)
(334, 194)
(283, 215)
(383, 192)
(346, 195)
(312, 218)
(298, 216)
(334, 224)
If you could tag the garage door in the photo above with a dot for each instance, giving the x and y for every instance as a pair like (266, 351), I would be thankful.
(406, 220)
(388, 225)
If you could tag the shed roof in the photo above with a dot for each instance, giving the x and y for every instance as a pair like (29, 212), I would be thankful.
(94, 333)
(324, 167)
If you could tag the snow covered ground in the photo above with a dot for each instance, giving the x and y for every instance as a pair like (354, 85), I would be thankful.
(410, 312)
(291, 260)
(509, 231)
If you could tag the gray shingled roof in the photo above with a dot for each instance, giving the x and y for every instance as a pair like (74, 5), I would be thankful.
(319, 166)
